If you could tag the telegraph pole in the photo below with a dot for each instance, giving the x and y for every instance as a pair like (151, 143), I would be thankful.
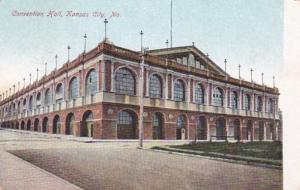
(141, 82)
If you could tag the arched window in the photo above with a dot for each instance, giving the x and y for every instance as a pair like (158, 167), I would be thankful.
(180, 121)
(201, 128)
(258, 103)
(19, 107)
(155, 90)
(73, 88)
(124, 118)
(47, 97)
(218, 97)
(124, 82)
(30, 105)
(24, 103)
(126, 125)
(270, 105)
(247, 102)
(234, 100)
(59, 89)
(179, 92)
(91, 83)
(199, 94)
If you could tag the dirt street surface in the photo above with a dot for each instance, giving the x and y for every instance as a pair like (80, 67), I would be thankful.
(121, 166)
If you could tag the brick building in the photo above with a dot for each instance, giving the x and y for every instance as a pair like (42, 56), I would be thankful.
(187, 96)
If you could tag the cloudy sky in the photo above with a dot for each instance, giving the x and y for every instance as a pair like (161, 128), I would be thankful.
(245, 32)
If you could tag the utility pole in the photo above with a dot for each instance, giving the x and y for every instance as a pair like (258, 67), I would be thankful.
(141, 92)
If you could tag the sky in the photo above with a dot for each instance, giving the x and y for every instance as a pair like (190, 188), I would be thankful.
(244, 32)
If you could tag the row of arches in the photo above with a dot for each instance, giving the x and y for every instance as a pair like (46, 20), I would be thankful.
(127, 122)
(86, 129)
(125, 83)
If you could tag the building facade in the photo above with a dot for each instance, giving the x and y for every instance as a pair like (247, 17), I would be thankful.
(186, 96)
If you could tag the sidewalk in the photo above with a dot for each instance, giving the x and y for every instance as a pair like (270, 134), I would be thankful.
(17, 174)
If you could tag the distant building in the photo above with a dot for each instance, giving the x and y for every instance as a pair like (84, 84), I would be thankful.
(187, 96)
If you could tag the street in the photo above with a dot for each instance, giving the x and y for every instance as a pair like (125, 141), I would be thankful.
(116, 165)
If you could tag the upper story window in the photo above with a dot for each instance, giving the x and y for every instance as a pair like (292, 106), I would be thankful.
(24, 103)
(73, 88)
(155, 89)
(30, 104)
(91, 85)
(19, 107)
(199, 94)
(218, 97)
(124, 82)
(258, 103)
(270, 105)
(47, 96)
(59, 91)
(179, 92)
(247, 102)
(38, 97)
(234, 100)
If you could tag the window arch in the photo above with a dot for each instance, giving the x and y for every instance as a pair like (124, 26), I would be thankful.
(270, 105)
(218, 97)
(234, 100)
(47, 97)
(91, 83)
(247, 103)
(155, 87)
(258, 103)
(179, 91)
(73, 88)
(124, 82)
(199, 94)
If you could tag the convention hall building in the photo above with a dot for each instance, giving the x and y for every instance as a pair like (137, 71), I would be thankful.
(186, 96)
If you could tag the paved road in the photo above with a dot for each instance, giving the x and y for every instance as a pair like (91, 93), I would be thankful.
(127, 168)
(122, 166)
